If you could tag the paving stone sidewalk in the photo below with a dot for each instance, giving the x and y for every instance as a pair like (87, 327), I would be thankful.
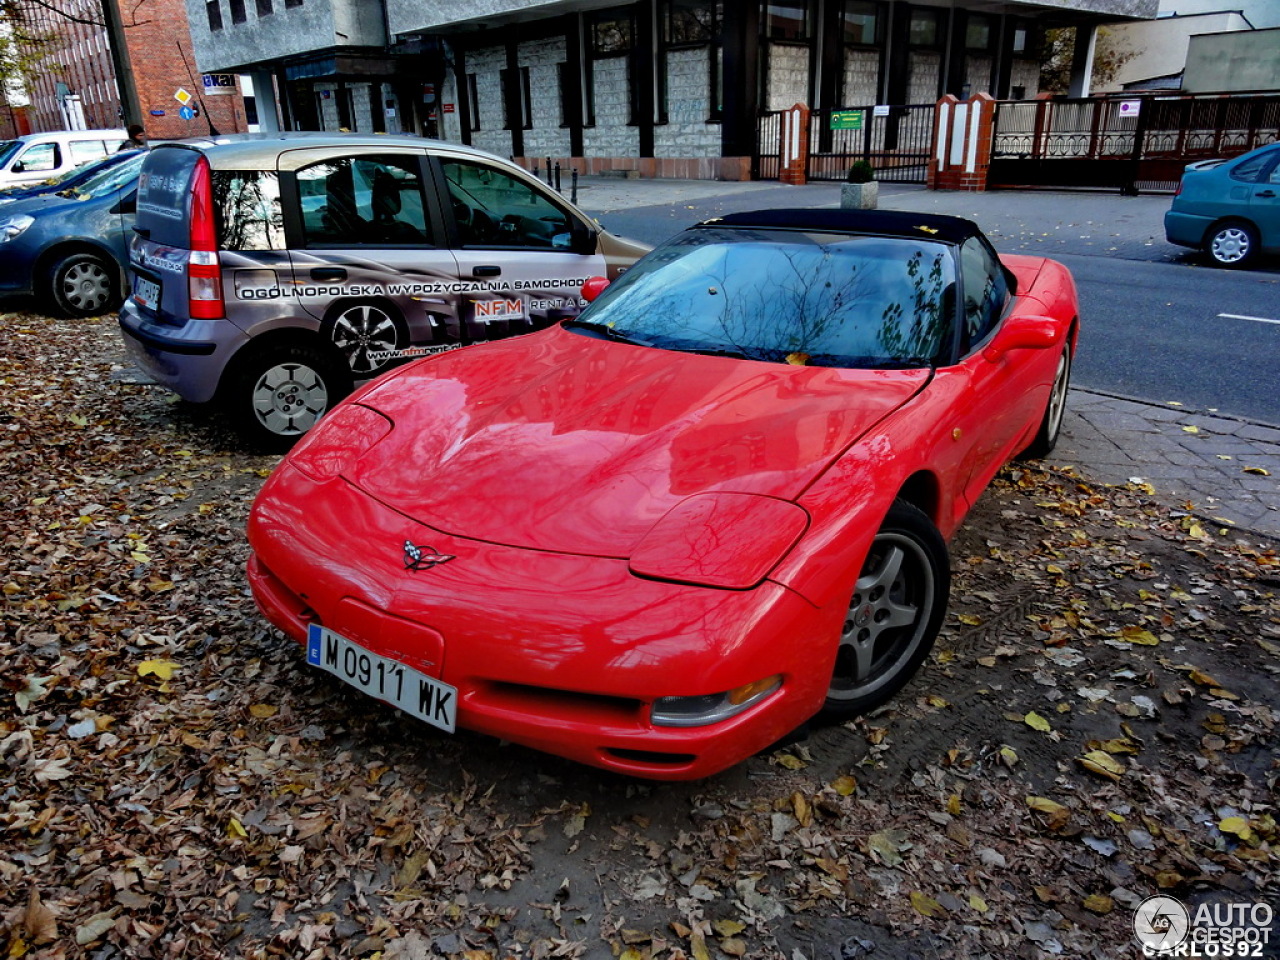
(1224, 468)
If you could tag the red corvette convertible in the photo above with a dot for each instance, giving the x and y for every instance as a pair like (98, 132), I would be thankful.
(661, 536)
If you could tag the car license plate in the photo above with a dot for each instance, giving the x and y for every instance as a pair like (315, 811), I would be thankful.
(402, 686)
(146, 292)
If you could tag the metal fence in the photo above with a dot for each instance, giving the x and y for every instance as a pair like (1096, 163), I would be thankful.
(895, 140)
(1130, 142)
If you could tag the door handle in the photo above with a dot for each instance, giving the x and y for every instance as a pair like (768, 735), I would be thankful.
(486, 271)
(328, 274)
(1266, 193)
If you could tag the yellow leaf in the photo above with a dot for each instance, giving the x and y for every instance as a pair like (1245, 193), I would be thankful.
(1139, 636)
(926, 905)
(1117, 745)
(953, 805)
(1236, 825)
(1101, 763)
(978, 903)
(263, 710)
(1098, 903)
(1037, 722)
(1190, 429)
(236, 830)
(182, 453)
(78, 420)
(1053, 568)
(1045, 805)
(1115, 816)
(698, 946)
(946, 656)
(1260, 471)
(790, 761)
(164, 669)
(797, 359)
(728, 928)
(1009, 756)
(969, 619)
(631, 953)
(140, 557)
(845, 786)
(1203, 679)
(936, 701)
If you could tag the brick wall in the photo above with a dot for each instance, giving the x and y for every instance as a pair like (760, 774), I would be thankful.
(158, 46)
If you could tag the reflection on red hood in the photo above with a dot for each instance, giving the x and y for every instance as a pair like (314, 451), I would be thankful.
(562, 442)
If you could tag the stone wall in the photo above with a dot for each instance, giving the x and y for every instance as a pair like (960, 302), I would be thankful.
(788, 82)
(487, 65)
(687, 132)
(925, 70)
(548, 138)
(1025, 74)
(861, 78)
(611, 136)
(978, 74)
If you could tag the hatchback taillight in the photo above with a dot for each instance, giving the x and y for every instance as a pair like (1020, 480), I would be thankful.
(204, 272)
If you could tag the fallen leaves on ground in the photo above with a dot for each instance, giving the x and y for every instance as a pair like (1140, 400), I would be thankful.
(178, 783)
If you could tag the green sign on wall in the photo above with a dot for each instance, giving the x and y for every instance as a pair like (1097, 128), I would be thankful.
(846, 120)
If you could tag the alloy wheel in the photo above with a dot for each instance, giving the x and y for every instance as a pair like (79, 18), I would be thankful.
(363, 332)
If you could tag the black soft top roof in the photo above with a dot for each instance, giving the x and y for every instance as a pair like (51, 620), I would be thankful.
(892, 223)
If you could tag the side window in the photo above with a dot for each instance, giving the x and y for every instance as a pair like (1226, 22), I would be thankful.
(40, 158)
(82, 151)
(366, 200)
(494, 209)
(1251, 170)
(247, 205)
(985, 291)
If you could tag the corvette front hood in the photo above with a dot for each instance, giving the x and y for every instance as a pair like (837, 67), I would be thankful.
(566, 443)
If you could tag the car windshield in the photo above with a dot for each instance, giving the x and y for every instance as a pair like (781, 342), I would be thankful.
(109, 180)
(787, 296)
(7, 149)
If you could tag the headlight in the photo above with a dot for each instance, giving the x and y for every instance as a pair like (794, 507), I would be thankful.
(729, 540)
(712, 708)
(331, 447)
(11, 227)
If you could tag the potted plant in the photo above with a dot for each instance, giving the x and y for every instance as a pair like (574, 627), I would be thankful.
(861, 191)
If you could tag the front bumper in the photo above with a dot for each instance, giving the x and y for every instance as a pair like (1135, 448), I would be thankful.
(188, 359)
(562, 653)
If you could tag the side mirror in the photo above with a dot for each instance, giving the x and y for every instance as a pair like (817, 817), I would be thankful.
(593, 287)
(582, 238)
(1021, 333)
(18, 167)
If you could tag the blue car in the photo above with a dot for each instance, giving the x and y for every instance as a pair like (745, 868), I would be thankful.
(72, 179)
(1230, 209)
(71, 249)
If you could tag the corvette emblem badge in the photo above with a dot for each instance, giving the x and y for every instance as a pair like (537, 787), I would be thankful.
(422, 558)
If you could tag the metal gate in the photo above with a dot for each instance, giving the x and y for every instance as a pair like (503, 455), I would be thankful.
(1129, 142)
(897, 141)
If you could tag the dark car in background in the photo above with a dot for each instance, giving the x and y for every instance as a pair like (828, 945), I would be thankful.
(1230, 209)
(71, 249)
(68, 180)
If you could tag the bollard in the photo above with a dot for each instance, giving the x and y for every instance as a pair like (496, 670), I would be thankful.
(536, 174)
(548, 171)
(573, 186)
(558, 176)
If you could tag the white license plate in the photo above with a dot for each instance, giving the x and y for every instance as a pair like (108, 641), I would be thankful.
(146, 292)
(402, 686)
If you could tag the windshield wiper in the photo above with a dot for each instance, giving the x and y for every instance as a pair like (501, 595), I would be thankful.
(605, 331)
(734, 352)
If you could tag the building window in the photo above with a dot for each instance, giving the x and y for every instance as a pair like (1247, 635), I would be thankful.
(977, 33)
(860, 22)
(788, 20)
(526, 100)
(609, 36)
(237, 11)
(473, 103)
(293, 3)
(213, 10)
(264, 8)
(691, 23)
(516, 99)
(1020, 40)
(924, 28)
(612, 36)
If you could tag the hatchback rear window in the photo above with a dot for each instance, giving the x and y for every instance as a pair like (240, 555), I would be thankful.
(164, 195)
(247, 205)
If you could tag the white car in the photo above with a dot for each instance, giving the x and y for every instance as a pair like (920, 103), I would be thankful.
(39, 156)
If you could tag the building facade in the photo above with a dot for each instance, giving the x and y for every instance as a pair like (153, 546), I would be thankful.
(669, 87)
(74, 84)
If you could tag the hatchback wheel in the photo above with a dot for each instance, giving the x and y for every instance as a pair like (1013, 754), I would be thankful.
(894, 614)
(1232, 244)
(366, 334)
(84, 285)
(279, 394)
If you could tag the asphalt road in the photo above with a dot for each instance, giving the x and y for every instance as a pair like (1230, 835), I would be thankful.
(1151, 311)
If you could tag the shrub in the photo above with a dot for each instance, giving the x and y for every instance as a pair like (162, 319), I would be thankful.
(860, 171)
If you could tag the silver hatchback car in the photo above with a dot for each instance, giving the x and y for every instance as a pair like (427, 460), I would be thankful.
(273, 272)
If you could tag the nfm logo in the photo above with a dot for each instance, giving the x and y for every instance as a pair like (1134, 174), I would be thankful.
(499, 309)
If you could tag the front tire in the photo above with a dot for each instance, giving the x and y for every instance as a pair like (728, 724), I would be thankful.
(894, 615)
(84, 285)
(1051, 424)
(1232, 244)
(280, 393)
